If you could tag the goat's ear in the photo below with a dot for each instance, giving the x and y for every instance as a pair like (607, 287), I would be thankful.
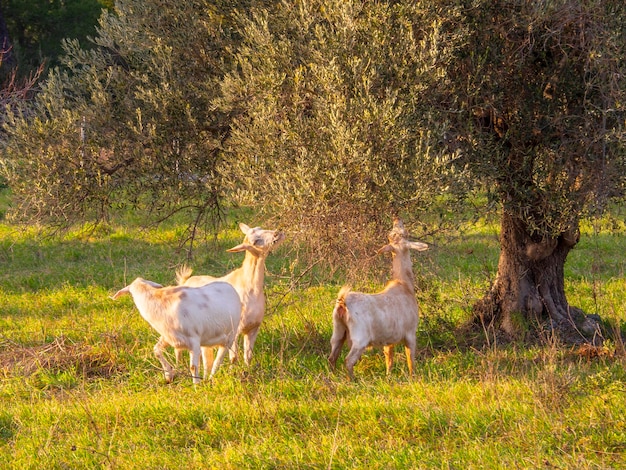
(245, 247)
(121, 292)
(244, 228)
(385, 249)
(238, 248)
(419, 246)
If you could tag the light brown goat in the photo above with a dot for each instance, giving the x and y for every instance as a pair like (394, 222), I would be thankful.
(196, 319)
(383, 319)
(248, 281)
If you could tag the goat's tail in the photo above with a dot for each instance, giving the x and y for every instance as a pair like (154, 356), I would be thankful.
(182, 274)
(341, 297)
(340, 304)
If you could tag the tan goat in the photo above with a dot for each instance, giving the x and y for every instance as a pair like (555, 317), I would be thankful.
(383, 319)
(196, 319)
(248, 281)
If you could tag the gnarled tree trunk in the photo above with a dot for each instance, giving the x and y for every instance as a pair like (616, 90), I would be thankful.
(529, 287)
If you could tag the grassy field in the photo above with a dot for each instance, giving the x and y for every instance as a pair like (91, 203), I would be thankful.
(80, 387)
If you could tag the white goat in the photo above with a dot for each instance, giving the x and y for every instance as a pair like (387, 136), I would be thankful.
(193, 318)
(247, 280)
(383, 319)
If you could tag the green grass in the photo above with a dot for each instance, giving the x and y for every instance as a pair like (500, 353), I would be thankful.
(80, 388)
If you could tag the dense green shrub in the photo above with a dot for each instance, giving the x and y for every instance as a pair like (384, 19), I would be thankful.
(334, 126)
(128, 122)
(37, 27)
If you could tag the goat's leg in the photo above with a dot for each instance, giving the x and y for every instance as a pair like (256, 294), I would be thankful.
(232, 351)
(249, 338)
(194, 361)
(410, 355)
(179, 355)
(207, 359)
(352, 358)
(409, 349)
(388, 350)
(158, 349)
(340, 333)
(221, 353)
(232, 348)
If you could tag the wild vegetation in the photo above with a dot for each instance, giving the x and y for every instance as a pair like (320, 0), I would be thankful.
(334, 114)
(495, 130)
(81, 388)
(35, 29)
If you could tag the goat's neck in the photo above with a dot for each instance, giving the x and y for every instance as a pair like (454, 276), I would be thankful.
(252, 274)
(402, 268)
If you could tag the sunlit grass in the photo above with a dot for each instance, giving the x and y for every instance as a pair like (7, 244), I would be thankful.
(80, 388)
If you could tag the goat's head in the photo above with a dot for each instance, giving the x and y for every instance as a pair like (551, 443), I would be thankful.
(258, 241)
(399, 242)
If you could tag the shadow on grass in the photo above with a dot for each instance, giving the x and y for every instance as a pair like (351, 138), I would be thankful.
(31, 266)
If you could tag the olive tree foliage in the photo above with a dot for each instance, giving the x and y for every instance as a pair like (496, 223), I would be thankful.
(129, 122)
(541, 85)
(334, 131)
(539, 91)
(13, 92)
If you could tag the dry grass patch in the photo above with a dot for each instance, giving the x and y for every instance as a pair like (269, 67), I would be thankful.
(60, 355)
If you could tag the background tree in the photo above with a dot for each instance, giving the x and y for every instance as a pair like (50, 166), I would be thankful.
(322, 124)
(334, 131)
(13, 89)
(539, 91)
(6, 47)
(129, 121)
(37, 27)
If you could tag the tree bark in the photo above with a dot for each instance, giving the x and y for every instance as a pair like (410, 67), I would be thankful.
(529, 290)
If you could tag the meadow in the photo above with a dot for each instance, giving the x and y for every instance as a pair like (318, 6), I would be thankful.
(80, 387)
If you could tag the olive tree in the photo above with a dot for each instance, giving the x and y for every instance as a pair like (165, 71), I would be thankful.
(538, 91)
(334, 131)
(129, 121)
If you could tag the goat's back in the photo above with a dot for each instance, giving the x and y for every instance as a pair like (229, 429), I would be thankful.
(210, 313)
(210, 303)
(383, 318)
